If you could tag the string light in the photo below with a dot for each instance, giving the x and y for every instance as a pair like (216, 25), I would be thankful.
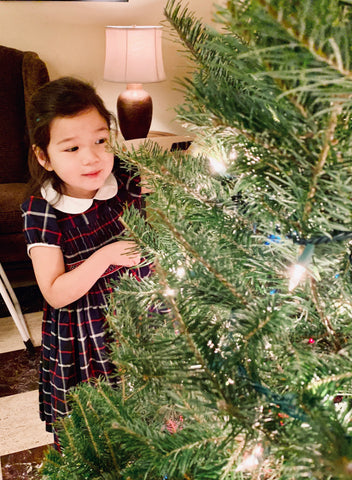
(252, 461)
(218, 156)
(170, 292)
(233, 155)
(298, 271)
(180, 272)
(217, 166)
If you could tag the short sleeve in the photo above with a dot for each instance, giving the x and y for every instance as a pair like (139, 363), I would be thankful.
(40, 223)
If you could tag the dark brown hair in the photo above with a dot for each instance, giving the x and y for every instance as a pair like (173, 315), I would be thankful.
(64, 97)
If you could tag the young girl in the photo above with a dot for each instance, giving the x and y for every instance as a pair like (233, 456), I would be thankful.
(71, 225)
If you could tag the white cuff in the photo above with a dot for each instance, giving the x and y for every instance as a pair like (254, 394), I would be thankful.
(39, 244)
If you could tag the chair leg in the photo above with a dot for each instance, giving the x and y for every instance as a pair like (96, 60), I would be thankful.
(11, 301)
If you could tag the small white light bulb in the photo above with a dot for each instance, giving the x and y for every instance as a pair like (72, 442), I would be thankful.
(296, 275)
(217, 166)
(170, 292)
(180, 272)
(298, 271)
(251, 462)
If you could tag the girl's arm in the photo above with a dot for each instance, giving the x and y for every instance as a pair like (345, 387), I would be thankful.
(60, 288)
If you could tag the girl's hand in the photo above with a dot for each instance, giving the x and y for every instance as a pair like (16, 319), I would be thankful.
(123, 252)
(60, 287)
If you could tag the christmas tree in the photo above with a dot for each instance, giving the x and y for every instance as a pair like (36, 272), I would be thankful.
(235, 354)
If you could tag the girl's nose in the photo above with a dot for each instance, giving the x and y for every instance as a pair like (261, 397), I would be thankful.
(90, 156)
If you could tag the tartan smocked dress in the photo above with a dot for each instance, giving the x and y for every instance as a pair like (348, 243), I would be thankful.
(73, 337)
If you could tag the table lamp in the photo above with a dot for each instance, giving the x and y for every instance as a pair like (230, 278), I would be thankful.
(133, 55)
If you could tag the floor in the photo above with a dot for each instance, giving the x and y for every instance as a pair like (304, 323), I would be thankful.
(23, 438)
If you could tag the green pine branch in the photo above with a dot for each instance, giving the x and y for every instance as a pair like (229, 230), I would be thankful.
(220, 364)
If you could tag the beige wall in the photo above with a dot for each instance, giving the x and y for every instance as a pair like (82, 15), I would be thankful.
(70, 38)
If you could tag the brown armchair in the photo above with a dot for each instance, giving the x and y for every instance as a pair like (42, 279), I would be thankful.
(21, 73)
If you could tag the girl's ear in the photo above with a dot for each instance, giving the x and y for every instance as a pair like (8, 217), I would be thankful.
(42, 158)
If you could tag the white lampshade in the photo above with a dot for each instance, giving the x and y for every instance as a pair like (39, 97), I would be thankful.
(133, 54)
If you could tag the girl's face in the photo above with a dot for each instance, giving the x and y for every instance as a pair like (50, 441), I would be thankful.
(77, 153)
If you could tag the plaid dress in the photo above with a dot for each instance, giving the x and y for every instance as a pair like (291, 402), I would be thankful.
(74, 347)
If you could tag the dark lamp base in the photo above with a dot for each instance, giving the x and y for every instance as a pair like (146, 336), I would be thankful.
(134, 111)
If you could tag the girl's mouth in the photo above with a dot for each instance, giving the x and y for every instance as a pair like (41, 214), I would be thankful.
(92, 174)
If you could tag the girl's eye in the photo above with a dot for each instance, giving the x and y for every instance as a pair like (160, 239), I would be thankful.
(101, 140)
(71, 149)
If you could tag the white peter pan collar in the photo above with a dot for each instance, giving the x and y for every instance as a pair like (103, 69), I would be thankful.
(67, 204)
